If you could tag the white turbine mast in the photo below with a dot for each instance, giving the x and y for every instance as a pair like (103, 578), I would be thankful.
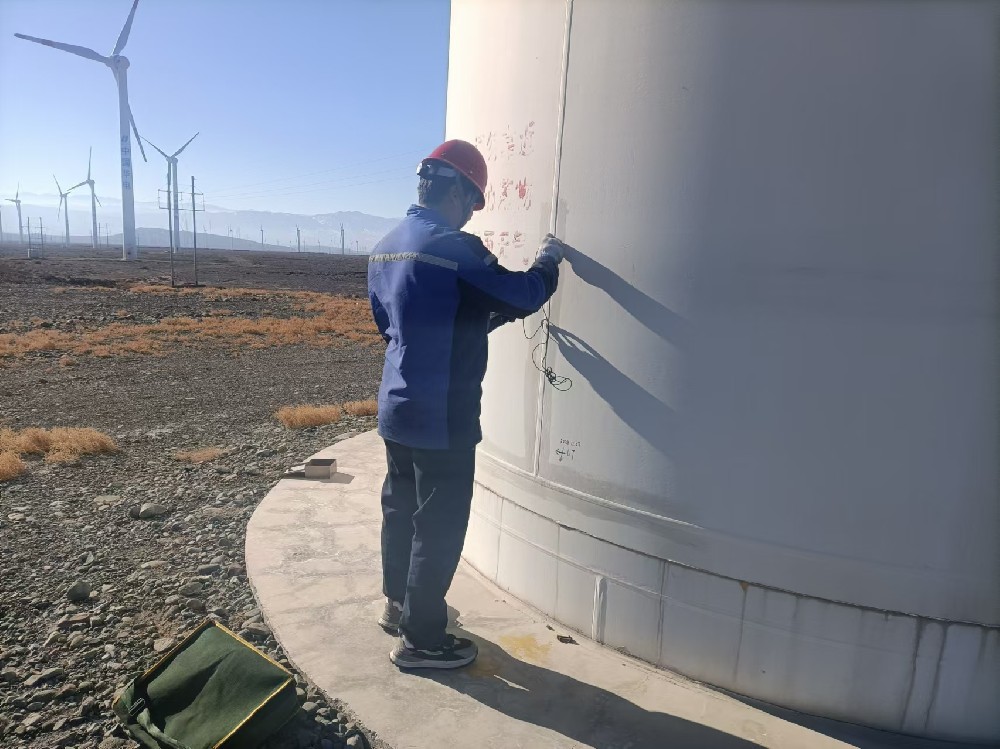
(119, 67)
(64, 206)
(172, 180)
(16, 200)
(94, 201)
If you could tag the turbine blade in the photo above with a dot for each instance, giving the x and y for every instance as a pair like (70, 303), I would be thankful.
(126, 30)
(59, 212)
(98, 201)
(138, 138)
(81, 184)
(178, 151)
(71, 48)
(16, 194)
(156, 147)
(90, 157)
(57, 185)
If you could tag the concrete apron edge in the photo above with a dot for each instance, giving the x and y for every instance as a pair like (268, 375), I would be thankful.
(673, 686)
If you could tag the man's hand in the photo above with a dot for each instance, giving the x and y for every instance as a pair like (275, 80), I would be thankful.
(553, 249)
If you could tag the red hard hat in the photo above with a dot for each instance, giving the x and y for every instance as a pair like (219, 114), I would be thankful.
(466, 159)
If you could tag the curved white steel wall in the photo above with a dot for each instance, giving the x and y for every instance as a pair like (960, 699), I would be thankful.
(777, 467)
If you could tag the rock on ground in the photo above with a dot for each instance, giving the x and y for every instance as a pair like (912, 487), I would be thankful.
(65, 528)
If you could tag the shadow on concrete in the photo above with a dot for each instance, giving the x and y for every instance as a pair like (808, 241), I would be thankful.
(339, 478)
(581, 712)
(852, 735)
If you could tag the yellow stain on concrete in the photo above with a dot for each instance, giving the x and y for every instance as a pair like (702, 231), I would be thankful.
(483, 667)
(525, 647)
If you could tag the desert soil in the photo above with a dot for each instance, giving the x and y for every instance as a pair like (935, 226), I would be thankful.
(151, 580)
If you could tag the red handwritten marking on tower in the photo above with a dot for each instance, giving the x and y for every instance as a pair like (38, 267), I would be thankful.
(509, 192)
(507, 144)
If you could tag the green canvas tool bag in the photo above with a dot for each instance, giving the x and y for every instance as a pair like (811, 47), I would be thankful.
(212, 690)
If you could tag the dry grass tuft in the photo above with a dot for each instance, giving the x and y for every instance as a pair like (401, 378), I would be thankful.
(323, 321)
(202, 455)
(67, 361)
(361, 408)
(69, 443)
(65, 440)
(298, 417)
(11, 466)
(26, 442)
(58, 445)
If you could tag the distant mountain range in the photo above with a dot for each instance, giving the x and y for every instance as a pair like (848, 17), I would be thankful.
(319, 232)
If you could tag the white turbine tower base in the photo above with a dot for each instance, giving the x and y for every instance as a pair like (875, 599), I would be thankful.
(119, 67)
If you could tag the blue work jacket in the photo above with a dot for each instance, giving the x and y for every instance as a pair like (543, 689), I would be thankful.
(436, 293)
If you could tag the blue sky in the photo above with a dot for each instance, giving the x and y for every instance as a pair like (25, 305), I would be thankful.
(304, 106)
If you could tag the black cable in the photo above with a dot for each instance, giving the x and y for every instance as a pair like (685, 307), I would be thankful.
(558, 382)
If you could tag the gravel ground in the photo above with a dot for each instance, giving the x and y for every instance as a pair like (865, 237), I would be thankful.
(90, 593)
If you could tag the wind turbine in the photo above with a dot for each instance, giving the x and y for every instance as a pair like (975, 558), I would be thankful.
(64, 204)
(119, 67)
(94, 202)
(172, 177)
(16, 200)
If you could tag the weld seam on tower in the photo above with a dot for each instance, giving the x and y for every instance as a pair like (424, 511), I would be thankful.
(561, 119)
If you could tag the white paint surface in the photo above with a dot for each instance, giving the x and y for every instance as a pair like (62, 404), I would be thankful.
(781, 327)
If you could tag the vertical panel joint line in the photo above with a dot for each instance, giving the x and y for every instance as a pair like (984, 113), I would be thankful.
(560, 122)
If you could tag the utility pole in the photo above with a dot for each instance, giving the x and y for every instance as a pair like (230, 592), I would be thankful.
(41, 232)
(342, 239)
(194, 230)
(298, 239)
(230, 239)
(170, 222)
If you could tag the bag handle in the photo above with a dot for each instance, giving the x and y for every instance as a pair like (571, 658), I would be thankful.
(139, 712)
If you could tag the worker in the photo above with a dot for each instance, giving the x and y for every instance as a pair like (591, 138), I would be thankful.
(435, 293)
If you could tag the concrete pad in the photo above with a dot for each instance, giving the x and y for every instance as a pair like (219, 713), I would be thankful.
(313, 559)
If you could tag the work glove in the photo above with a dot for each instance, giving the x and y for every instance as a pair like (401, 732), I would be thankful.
(552, 249)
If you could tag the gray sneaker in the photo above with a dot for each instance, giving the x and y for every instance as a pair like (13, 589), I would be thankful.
(389, 621)
(454, 652)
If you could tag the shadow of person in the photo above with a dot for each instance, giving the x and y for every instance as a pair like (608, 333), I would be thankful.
(581, 712)
(660, 320)
(646, 414)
